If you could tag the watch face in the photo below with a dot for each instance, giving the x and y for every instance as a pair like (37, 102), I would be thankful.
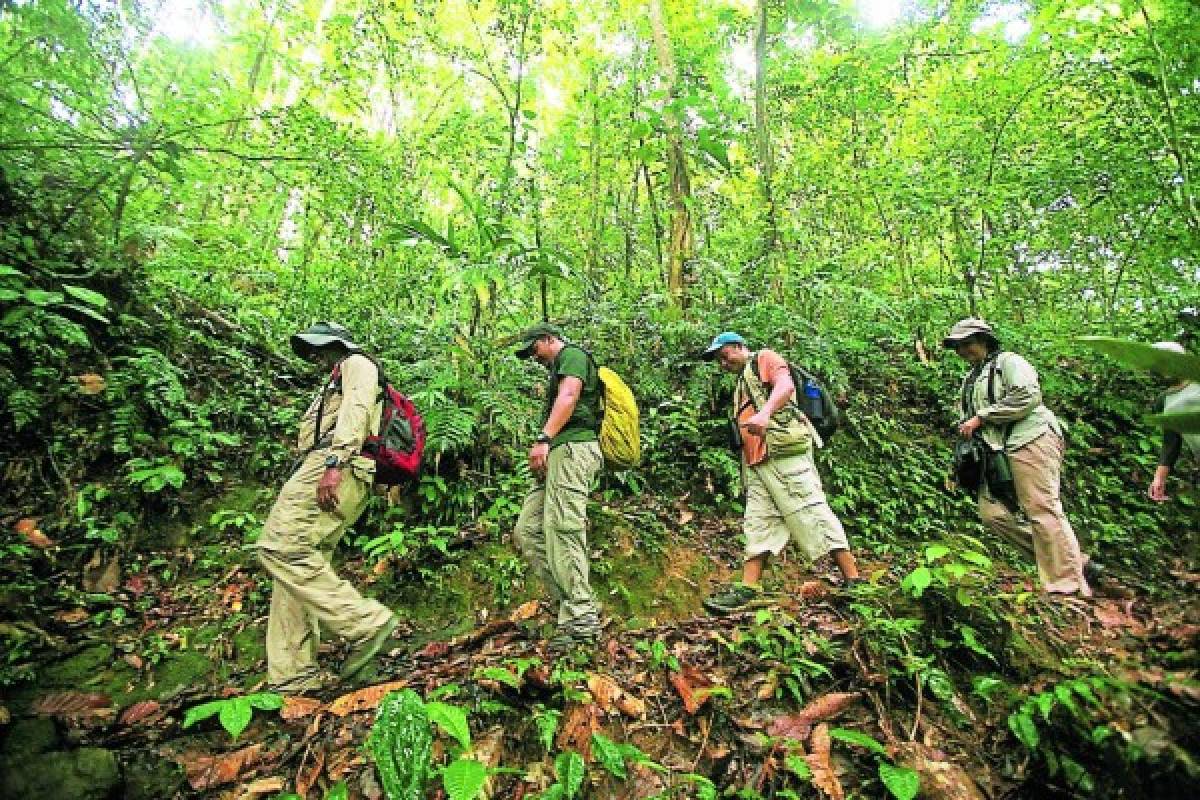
(331, 461)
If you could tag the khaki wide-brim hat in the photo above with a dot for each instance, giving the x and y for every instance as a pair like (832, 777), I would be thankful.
(966, 328)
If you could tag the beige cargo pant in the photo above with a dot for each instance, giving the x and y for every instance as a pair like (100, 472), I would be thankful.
(295, 548)
(552, 534)
(785, 502)
(1041, 530)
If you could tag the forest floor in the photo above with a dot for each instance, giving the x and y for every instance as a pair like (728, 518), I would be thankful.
(825, 693)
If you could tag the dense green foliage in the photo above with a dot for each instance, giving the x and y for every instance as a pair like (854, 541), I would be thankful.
(184, 184)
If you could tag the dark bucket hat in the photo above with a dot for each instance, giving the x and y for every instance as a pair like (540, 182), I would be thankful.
(322, 334)
(529, 336)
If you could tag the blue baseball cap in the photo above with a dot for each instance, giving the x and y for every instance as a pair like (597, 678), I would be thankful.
(721, 339)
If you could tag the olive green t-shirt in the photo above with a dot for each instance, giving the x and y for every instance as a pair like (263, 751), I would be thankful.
(585, 419)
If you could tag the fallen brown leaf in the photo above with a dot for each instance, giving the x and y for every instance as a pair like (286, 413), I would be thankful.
(817, 758)
(524, 611)
(940, 779)
(687, 682)
(364, 699)
(811, 590)
(309, 772)
(580, 722)
(100, 576)
(434, 650)
(207, 771)
(72, 704)
(134, 660)
(90, 383)
(72, 617)
(145, 712)
(298, 707)
(28, 528)
(798, 726)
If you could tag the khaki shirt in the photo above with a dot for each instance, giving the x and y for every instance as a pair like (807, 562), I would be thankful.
(351, 413)
(1018, 402)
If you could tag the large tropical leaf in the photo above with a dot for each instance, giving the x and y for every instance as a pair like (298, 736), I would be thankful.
(1145, 356)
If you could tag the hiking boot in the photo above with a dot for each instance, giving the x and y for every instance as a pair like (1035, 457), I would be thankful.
(1094, 573)
(303, 684)
(570, 640)
(364, 653)
(735, 597)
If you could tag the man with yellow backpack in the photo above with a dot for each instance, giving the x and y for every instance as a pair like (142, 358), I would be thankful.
(589, 418)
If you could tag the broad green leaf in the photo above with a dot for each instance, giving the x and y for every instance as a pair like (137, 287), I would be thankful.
(1025, 729)
(235, 715)
(1145, 356)
(571, 770)
(935, 551)
(87, 312)
(266, 701)
(917, 581)
(902, 782)
(608, 754)
(86, 295)
(856, 738)
(547, 725)
(8, 295)
(464, 778)
(978, 559)
(798, 767)
(1184, 422)
(501, 675)
(201, 712)
(452, 720)
(42, 298)
(339, 791)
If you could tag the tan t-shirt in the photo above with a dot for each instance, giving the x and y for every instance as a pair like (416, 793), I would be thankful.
(754, 447)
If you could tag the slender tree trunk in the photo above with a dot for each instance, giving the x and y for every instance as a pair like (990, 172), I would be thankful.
(762, 132)
(681, 240)
(654, 215)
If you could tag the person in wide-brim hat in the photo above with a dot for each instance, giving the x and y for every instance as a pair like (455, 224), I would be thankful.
(1000, 400)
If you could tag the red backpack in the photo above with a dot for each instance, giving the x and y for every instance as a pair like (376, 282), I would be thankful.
(400, 443)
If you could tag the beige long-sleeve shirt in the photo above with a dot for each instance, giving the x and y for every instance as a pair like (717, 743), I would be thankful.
(351, 413)
(1018, 402)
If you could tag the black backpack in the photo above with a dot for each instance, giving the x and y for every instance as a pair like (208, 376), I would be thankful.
(813, 399)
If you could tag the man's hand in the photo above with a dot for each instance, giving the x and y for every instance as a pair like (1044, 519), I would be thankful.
(537, 458)
(327, 489)
(757, 424)
(1158, 489)
(968, 428)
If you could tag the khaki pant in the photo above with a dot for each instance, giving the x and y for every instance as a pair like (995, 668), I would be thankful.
(785, 502)
(295, 548)
(1041, 529)
(552, 533)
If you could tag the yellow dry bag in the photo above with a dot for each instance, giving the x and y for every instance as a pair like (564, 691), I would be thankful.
(620, 439)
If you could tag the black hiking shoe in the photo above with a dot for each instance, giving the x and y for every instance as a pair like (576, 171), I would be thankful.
(362, 658)
(735, 597)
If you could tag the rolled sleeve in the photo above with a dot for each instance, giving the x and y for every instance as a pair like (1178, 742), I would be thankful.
(360, 387)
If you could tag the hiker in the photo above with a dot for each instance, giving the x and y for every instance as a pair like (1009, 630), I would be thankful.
(784, 498)
(326, 494)
(1182, 396)
(551, 531)
(1001, 401)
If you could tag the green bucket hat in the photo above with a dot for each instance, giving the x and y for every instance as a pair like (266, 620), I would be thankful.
(322, 334)
(530, 335)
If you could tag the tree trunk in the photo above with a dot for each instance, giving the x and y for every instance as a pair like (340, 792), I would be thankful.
(762, 133)
(681, 242)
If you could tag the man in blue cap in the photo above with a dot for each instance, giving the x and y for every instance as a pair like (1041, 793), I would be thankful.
(784, 498)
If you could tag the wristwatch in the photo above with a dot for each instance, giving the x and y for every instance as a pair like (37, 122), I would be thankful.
(543, 439)
(332, 461)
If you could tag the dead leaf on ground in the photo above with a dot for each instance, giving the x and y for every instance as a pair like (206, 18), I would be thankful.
(642, 782)
(686, 516)
(90, 383)
(364, 699)
(488, 749)
(524, 611)
(798, 726)
(817, 758)
(310, 771)
(811, 590)
(134, 660)
(690, 683)
(28, 528)
(940, 780)
(298, 707)
(73, 704)
(260, 787)
(146, 712)
(206, 771)
(604, 689)
(72, 617)
(433, 650)
(1111, 615)
(578, 726)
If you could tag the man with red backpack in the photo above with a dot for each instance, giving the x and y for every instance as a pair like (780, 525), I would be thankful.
(327, 492)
